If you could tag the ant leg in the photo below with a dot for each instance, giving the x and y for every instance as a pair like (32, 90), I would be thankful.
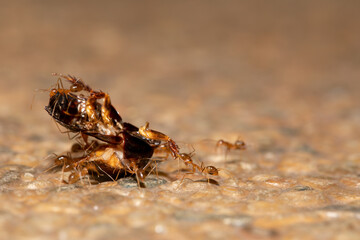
(182, 179)
(117, 175)
(82, 173)
(149, 164)
(59, 84)
(62, 174)
(103, 171)
(228, 173)
(85, 138)
(140, 177)
(224, 147)
(65, 132)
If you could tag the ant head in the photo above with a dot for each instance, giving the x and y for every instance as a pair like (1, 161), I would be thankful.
(240, 144)
(61, 160)
(212, 170)
(53, 92)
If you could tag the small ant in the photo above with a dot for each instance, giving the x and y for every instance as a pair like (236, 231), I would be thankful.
(185, 157)
(238, 145)
(207, 170)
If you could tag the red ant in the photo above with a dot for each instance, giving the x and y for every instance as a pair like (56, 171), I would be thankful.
(206, 170)
(185, 157)
(238, 145)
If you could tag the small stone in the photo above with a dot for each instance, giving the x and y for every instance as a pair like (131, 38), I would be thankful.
(27, 177)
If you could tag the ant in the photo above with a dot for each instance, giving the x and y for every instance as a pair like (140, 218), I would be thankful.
(187, 158)
(207, 170)
(203, 169)
(173, 147)
(238, 145)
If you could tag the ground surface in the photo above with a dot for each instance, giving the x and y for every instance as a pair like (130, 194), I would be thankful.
(281, 75)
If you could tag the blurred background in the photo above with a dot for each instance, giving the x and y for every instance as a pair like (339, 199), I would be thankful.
(193, 69)
(281, 75)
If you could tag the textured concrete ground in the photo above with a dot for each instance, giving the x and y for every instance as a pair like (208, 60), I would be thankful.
(281, 75)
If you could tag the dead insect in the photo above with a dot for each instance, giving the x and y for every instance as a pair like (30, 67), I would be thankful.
(123, 148)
